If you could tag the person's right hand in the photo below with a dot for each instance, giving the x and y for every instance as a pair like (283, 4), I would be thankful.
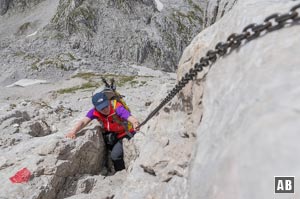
(135, 126)
(71, 134)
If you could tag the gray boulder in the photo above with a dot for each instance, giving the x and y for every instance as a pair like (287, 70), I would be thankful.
(4, 6)
(55, 165)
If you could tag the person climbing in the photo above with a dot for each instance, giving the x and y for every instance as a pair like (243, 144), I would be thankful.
(117, 122)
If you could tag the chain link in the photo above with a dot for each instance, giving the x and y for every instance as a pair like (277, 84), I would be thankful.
(294, 10)
(250, 32)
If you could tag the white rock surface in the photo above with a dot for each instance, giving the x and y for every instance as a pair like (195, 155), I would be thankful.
(159, 5)
(250, 127)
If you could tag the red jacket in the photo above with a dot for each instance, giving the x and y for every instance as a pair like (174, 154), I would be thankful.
(112, 122)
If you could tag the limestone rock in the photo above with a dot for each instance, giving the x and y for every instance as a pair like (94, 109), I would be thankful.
(215, 9)
(52, 162)
(223, 136)
(248, 133)
(109, 33)
(4, 6)
(38, 129)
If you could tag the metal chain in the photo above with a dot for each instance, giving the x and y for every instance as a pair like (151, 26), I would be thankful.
(250, 32)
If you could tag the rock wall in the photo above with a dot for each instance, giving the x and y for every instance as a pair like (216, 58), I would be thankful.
(42, 37)
(249, 130)
(3, 6)
(109, 32)
(131, 31)
(215, 9)
(13, 6)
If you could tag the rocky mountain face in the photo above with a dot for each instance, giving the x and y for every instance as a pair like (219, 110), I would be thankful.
(249, 129)
(13, 6)
(42, 36)
(226, 135)
(215, 9)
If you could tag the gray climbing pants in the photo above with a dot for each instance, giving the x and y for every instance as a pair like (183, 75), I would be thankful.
(117, 154)
(117, 151)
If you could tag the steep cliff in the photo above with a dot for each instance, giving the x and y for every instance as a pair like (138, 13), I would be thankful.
(250, 123)
(96, 35)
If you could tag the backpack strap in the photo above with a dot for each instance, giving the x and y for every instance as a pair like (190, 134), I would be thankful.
(125, 124)
(114, 104)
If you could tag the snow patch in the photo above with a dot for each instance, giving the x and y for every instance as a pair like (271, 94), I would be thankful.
(159, 5)
(27, 82)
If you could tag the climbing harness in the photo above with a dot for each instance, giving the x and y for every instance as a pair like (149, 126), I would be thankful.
(250, 32)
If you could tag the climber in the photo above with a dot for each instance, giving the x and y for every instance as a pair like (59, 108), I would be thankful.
(113, 119)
